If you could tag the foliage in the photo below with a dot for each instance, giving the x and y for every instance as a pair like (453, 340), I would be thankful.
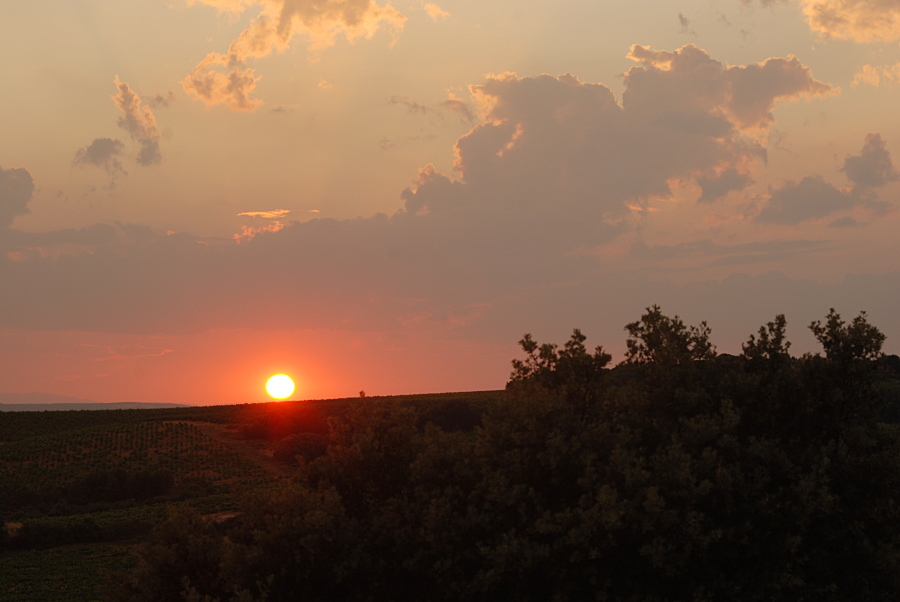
(307, 446)
(845, 343)
(659, 339)
(771, 344)
(572, 370)
(677, 475)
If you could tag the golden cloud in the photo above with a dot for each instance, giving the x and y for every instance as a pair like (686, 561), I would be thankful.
(876, 75)
(225, 78)
(856, 20)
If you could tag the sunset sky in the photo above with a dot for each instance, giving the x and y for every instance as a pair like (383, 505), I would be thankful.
(198, 194)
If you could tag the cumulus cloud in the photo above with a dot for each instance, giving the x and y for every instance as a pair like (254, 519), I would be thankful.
(104, 153)
(16, 188)
(810, 198)
(563, 159)
(717, 186)
(741, 96)
(435, 12)
(873, 167)
(856, 20)
(140, 123)
(813, 198)
(877, 75)
(226, 78)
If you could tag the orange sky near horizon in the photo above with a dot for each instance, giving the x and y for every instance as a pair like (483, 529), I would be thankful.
(198, 194)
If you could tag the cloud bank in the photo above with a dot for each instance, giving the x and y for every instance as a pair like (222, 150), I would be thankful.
(554, 169)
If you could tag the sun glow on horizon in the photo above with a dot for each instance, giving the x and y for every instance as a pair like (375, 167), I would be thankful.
(280, 386)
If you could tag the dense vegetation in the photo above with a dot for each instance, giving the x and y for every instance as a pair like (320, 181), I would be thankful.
(79, 487)
(679, 474)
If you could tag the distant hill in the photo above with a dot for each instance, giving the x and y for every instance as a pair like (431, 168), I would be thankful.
(39, 402)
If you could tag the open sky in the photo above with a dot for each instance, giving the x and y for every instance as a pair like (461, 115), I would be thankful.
(197, 194)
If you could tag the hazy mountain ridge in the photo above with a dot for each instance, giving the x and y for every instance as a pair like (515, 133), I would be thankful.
(39, 402)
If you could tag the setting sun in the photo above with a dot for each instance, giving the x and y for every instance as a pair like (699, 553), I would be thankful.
(280, 386)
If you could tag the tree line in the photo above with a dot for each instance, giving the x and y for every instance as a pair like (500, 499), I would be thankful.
(680, 474)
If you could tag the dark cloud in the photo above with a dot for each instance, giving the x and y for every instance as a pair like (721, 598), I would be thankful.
(461, 108)
(411, 106)
(453, 105)
(873, 167)
(844, 222)
(104, 153)
(161, 101)
(561, 160)
(810, 198)
(685, 25)
(140, 123)
(719, 254)
(16, 188)
(814, 198)
(717, 186)
(36, 243)
(689, 80)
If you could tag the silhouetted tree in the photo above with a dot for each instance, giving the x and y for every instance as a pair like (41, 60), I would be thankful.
(657, 338)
